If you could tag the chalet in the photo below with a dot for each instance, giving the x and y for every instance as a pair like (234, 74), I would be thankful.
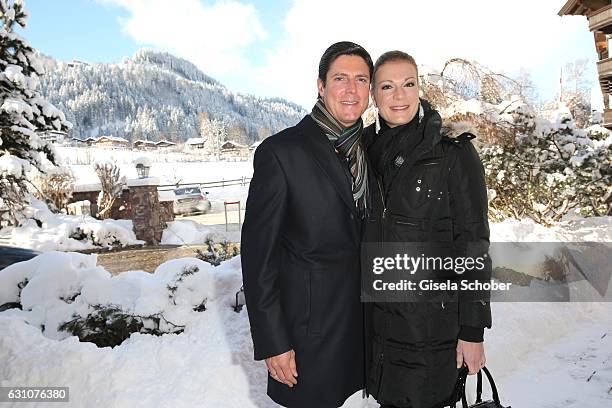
(599, 14)
(234, 150)
(144, 144)
(164, 143)
(255, 145)
(111, 141)
(54, 136)
(87, 142)
(194, 143)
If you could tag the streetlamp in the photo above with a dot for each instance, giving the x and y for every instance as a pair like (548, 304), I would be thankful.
(143, 165)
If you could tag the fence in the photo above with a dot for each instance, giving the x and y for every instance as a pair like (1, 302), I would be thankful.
(209, 184)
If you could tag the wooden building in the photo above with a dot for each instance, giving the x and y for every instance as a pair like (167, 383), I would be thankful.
(111, 141)
(164, 143)
(232, 150)
(144, 144)
(599, 14)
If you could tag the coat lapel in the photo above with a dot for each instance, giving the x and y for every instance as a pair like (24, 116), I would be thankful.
(326, 158)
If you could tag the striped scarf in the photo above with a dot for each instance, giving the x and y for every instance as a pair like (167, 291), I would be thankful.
(347, 142)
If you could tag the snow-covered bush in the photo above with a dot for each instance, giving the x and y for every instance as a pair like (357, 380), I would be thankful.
(111, 187)
(67, 294)
(550, 171)
(538, 164)
(43, 230)
(217, 252)
(23, 114)
(56, 188)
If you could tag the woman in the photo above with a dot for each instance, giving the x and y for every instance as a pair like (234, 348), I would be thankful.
(431, 189)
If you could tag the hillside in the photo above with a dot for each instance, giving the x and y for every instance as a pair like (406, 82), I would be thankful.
(156, 95)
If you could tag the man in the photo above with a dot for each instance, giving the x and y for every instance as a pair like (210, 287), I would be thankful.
(301, 242)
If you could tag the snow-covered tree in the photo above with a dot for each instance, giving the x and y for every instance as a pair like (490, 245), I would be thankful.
(549, 171)
(214, 132)
(24, 113)
(576, 91)
(154, 93)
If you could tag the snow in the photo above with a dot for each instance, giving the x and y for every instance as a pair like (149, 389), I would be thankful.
(14, 74)
(56, 229)
(17, 107)
(594, 229)
(194, 141)
(14, 166)
(147, 181)
(555, 347)
(184, 232)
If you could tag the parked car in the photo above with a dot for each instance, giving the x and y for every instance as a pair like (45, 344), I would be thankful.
(10, 255)
(189, 200)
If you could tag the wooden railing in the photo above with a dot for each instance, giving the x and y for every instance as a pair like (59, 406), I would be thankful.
(604, 67)
(601, 18)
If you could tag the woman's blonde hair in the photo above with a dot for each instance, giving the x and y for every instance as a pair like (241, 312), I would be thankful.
(391, 56)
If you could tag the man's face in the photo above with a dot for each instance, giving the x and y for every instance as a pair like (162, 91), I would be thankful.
(346, 88)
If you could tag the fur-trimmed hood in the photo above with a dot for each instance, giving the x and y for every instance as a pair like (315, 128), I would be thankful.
(454, 129)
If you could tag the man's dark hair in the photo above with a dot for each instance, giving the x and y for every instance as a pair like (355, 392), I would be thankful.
(392, 56)
(342, 48)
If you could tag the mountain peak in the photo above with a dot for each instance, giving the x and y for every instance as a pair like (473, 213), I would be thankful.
(169, 62)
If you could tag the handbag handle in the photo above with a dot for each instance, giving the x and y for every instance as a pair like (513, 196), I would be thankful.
(479, 389)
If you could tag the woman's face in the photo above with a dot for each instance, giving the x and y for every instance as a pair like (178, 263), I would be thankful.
(396, 92)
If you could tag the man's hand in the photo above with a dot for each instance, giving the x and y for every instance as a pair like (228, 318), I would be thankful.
(282, 368)
(470, 354)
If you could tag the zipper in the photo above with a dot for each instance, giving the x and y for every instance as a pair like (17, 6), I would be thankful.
(412, 224)
(382, 197)
(384, 214)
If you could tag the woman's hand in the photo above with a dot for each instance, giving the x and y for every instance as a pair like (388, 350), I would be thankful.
(470, 354)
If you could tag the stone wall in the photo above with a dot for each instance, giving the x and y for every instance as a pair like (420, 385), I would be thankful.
(122, 208)
(141, 205)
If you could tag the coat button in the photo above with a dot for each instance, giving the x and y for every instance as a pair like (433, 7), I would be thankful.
(418, 189)
(419, 181)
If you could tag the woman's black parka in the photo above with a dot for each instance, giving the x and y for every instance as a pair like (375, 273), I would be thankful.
(411, 347)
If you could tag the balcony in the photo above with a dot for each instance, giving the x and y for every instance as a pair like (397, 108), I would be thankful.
(607, 118)
(604, 68)
(601, 20)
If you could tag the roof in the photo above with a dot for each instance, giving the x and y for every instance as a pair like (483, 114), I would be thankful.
(145, 142)
(233, 143)
(194, 140)
(582, 7)
(165, 142)
(112, 139)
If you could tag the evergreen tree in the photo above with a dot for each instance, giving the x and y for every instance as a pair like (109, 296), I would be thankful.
(24, 114)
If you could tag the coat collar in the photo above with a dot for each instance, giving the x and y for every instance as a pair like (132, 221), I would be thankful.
(327, 159)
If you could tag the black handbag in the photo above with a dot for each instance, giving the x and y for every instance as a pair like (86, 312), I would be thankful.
(460, 390)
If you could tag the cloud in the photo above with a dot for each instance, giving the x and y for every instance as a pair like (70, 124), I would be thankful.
(504, 36)
(221, 37)
(214, 37)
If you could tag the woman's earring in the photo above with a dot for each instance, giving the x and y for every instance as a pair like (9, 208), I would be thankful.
(377, 120)
(421, 112)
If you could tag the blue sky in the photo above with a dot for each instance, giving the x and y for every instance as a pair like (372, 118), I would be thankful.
(271, 48)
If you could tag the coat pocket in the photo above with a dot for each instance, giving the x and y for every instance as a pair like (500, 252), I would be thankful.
(315, 288)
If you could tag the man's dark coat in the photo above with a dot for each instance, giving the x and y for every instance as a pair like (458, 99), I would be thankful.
(300, 265)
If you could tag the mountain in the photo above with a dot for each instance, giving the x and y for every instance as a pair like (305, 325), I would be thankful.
(155, 95)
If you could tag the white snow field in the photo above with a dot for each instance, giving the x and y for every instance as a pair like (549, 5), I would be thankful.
(541, 354)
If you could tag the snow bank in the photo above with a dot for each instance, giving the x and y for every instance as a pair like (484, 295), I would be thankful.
(208, 365)
(211, 363)
(186, 232)
(57, 285)
(594, 229)
(60, 232)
